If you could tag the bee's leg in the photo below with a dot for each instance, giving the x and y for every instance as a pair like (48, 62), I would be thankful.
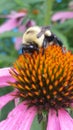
(57, 41)
(30, 48)
(33, 47)
(44, 44)
(23, 50)
(64, 50)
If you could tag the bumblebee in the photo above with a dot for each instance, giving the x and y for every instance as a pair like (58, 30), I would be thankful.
(36, 37)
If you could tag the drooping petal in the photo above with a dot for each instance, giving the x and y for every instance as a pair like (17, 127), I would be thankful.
(15, 118)
(29, 116)
(5, 77)
(62, 16)
(15, 19)
(53, 121)
(6, 98)
(15, 15)
(9, 25)
(66, 122)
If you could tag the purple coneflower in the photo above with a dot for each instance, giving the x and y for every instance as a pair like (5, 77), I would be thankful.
(14, 20)
(43, 83)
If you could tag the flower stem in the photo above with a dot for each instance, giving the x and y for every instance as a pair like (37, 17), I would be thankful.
(48, 11)
(44, 121)
(43, 125)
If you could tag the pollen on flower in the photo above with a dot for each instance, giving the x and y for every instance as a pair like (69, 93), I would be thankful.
(50, 87)
(45, 81)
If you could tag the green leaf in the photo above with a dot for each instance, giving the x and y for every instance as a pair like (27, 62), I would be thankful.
(5, 90)
(6, 5)
(6, 109)
(67, 24)
(36, 125)
(34, 2)
(6, 60)
(10, 34)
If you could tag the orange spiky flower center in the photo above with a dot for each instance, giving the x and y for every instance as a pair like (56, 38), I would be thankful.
(45, 81)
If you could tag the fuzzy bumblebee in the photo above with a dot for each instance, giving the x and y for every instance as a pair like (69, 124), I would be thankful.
(36, 37)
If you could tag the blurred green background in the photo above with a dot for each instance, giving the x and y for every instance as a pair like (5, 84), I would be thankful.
(39, 11)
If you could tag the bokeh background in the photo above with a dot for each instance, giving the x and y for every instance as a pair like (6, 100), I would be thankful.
(16, 16)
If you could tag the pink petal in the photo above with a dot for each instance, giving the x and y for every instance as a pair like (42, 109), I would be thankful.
(15, 15)
(66, 122)
(14, 21)
(62, 16)
(15, 118)
(29, 116)
(18, 42)
(9, 25)
(5, 77)
(72, 105)
(53, 121)
(18, 118)
(6, 98)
